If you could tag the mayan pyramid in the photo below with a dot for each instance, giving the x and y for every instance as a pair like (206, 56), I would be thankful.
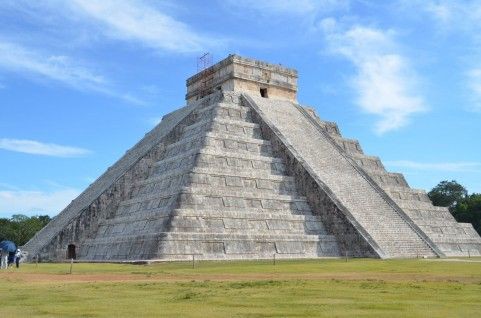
(245, 172)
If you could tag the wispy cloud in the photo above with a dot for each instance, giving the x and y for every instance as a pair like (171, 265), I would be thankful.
(385, 81)
(34, 202)
(39, 148)
(56, 67)
(143, 23)
(437, 166)
(37, 65)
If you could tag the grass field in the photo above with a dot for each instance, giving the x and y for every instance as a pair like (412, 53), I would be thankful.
(309, 288)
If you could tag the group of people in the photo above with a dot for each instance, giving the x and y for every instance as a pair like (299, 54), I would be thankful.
(7, 258)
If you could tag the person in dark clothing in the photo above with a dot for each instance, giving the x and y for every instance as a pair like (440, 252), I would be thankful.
(18, 255)
(11, 258)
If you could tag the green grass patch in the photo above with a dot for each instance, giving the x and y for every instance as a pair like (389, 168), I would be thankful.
(329, 288)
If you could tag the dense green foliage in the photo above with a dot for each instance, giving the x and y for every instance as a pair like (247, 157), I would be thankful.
(463, 206)
(21, 228)
(448, 194)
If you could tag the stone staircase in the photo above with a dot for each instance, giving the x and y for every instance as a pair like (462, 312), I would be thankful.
(218, 192)
(388, 229)
(451, 237)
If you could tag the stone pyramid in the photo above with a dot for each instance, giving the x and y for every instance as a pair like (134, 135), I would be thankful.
(245, 172)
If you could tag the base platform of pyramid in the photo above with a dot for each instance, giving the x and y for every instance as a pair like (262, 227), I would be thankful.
(245, 172)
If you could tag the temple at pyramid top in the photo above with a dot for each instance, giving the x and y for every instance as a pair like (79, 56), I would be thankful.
(240, 74)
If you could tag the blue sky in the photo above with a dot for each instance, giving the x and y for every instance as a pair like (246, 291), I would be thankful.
(82, 81)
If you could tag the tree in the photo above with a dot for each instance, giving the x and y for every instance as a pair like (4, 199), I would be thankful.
(465, 208)
(20, 228)
(469, 211)
(448, 194)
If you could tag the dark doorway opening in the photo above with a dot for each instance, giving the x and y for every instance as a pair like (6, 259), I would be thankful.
(71, 252)
(264, 92)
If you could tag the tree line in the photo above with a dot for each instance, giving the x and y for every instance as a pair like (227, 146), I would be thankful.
(21, 228)
(463, 206)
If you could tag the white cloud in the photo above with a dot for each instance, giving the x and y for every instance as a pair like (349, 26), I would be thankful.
(37, 65)
(299, 7)
(35, 202)
(39, 148)
(384, 82)
(437, 166)
(137, 21)
(60, 68)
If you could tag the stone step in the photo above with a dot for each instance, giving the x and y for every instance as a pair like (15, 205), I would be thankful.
(220, 176)
(220, 142)
(193, 236)
(221, 162)
(455, 238)
(351, 146)
(438, 223)
(231, 161)
(368, 163)
(244, 181)
(227, 111)
(411, 204)
(420, 215)
(330, 127)
(251, 214)
(387, 179)
(226, 195)
(213, 245)
(227, 126)
(203, 224)
(220, 136)
(234, 192)
(258, 175)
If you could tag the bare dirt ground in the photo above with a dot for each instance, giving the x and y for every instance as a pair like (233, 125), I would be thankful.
(107, 277)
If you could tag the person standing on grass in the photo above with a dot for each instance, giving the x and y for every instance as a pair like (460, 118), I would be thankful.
(18, 255)
(3, 259)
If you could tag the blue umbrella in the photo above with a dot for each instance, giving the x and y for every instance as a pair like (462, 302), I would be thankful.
(8, 246)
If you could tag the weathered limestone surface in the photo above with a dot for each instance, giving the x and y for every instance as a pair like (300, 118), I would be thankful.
(376, 217)
(451, 237)
(100, 198)
(236, 176)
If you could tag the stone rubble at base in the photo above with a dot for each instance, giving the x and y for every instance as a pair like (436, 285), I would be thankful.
(234, 175)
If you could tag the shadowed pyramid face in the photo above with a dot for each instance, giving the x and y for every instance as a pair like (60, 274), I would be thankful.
(241, 74)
